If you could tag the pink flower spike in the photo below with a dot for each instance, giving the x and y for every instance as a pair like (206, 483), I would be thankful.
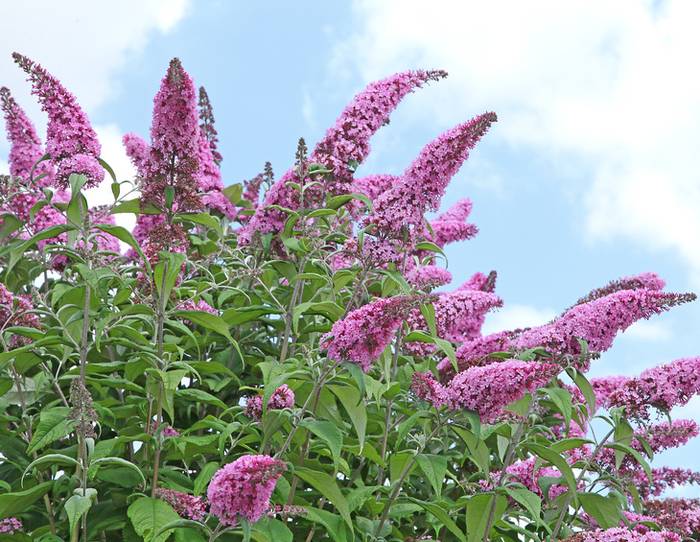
(175, 143)
(138, 151)
(26, 149)
(70, 140)
(344, 144)
(243, 488)
(452, 226)
(364, 333)
(424, 182)
(488, 389)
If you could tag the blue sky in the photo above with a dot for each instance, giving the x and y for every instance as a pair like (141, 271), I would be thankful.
(590, 174)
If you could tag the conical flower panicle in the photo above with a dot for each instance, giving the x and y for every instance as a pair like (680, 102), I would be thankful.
(243, 488)
(345, 145)
(650, 281)
(486, 389)
(138, 152)
(622, 534)
(662, 388)
(364, 333)
(452, 226)
(173, 160)
(70, 140)
(26, 148)
(424, 182)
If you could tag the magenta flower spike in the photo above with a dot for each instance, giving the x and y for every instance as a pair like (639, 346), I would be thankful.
(70, 140)
(345, 145)
(243, 488)
(424, 182)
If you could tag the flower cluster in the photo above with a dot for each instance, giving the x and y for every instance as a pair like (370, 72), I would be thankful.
(650, 281)
(26, 149)
(459, 316)
(173, 160)
(597, 322)
(281, 398)
(424, 182)
(428, 277)
(666, 435)
(662, 388)
(10, 525)
(621, 534)
(70, 140)
(485, 390)
(199, 305)
(681, 516)
(243, 488)
(452, 226)
(344, 146)
(364, 333)
(186, 506)
(206, 125)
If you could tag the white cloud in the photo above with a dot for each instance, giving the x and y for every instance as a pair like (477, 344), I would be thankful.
(599, 88)
(84, 43)
(514, 316)
(647, 331)
(113, 153)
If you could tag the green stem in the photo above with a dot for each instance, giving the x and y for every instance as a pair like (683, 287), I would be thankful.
(402, 477)
(570, 496)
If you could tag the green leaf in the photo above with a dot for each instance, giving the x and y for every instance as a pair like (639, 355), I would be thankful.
(76, 507)
(123, 235)
(51, 459)
(9, 224)
(557, 460)
(182, 524)
(328, 432)
(443, 517)
(208, 321)
(273, 530)
(478, 509)
(134, 206)
(166, 273)
(584, 385)
(201, 396)
(53, 425)
(204, 476)
(327, 487)
(528, 500)
(434, 467)
(49, 233)
(12, 504)
(562, 399)
(428, 312)
(624, 449)
(108, 169)
(121, 463)
(149, 516)
(604, 509)
(356, 408)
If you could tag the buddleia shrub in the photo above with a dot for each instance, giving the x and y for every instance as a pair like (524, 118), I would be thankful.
(285, 358)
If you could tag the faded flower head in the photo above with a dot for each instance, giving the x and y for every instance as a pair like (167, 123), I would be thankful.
(186, 506)
(82, 409)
